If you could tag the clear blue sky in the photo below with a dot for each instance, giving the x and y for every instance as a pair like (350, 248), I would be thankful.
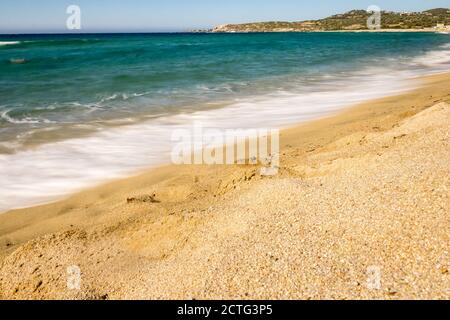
(23, 16)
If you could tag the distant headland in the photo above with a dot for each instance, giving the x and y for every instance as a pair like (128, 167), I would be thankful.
(355, 20)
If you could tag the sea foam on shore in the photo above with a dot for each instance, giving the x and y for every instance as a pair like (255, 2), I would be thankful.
(50, 171)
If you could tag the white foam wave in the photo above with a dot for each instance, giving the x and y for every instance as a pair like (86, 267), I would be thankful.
(26, 120)
(8, 43)
(435, 58)
(122, 97)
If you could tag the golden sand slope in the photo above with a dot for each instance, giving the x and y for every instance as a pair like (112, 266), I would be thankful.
(365, 190)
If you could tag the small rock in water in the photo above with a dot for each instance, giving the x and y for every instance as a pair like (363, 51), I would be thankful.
(18, 61)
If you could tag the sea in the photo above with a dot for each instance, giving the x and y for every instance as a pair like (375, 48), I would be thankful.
(77, 110)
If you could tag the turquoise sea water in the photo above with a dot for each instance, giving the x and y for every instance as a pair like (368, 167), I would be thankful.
(74, 102)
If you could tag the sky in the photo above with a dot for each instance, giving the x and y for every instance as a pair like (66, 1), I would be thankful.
(48, 16)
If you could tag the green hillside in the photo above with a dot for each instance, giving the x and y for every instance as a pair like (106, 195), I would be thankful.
(352, 20)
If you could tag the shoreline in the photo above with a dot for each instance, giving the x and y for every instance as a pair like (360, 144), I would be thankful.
(9, 35)
(431, 30)
(420, 82)
(406, 85)
(170, 228)
(149, 140)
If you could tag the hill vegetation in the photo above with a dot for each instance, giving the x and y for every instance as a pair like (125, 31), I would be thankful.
(352, 20)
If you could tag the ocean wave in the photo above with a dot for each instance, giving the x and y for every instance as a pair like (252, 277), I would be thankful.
(222, 88)
(51, 42)
(122, 97)
(25, 120)
(9, 43)
(54, 113)
(435, 58)
(62, 42)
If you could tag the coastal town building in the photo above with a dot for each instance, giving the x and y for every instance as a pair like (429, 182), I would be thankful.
(442, 27)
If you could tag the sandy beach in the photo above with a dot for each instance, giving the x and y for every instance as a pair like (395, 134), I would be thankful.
(359, 210)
